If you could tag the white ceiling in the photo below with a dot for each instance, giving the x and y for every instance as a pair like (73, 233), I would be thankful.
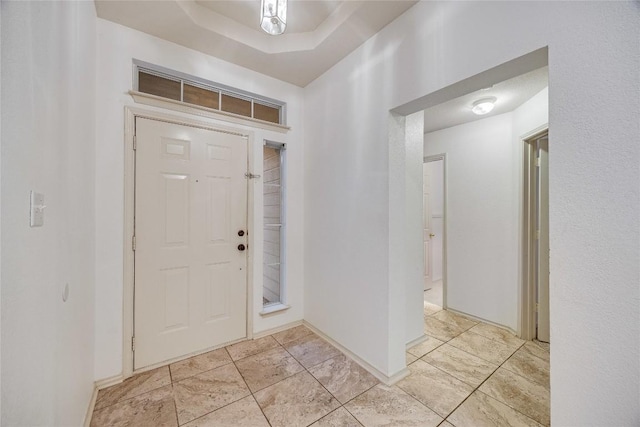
(305, 15)
(510, 95)
(319, 32)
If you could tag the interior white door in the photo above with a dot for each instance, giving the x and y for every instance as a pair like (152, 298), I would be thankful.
(427, 234)
(190, 273)
(436, 174)
(543, 240)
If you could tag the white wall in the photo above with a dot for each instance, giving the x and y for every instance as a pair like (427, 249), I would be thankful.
(48, 145)
(0, 215)
(482, 226)
(529, 117)
(117, 46)
(593, 55)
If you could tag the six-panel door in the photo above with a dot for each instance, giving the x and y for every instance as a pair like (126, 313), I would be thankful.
(190, 276)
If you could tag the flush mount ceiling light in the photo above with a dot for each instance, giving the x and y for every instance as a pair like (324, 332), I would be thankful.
(483, 106)
(273, 19)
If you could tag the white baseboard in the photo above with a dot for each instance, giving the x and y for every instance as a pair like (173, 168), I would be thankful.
(480, 319)
(108, 382)
(277, 329)
(417, 341)
(92, 405)
(97, 386)
(382, 377)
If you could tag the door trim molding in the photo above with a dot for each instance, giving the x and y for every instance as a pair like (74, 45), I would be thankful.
(129, 209)
(526, 290)
(445, 274)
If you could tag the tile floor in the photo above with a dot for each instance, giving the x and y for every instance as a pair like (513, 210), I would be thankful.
(433, 292)
(465, 374)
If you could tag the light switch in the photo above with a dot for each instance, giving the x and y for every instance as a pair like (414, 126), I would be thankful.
(37, 210)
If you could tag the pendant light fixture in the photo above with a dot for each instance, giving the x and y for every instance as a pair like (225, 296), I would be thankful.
(273, 19)
(483, 106)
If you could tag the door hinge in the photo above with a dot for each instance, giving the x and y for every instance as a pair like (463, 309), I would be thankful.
(537, 306)
(537, 234)
(537, 162)
(135, 142)
(133, 243)
(133, 343)
(249, 175)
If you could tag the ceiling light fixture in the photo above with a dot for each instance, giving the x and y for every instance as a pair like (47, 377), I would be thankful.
(483, 106)
(273, 19)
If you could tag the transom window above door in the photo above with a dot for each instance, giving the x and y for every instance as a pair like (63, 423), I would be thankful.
(165, 83)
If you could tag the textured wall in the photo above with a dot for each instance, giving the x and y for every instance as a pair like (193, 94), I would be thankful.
(48, 145)
(595, 203)
(482, 226)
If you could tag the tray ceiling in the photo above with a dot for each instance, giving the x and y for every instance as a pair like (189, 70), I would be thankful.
(319, 33)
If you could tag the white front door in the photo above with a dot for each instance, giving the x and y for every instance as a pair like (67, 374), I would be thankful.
(190, 273)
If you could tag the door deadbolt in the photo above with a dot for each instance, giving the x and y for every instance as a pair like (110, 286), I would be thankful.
(241, 247)
(241, 233)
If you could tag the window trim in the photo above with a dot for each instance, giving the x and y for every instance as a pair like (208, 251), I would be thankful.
(210, 113)
(282, 304)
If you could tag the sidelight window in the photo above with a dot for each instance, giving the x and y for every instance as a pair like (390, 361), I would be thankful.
(274, 223)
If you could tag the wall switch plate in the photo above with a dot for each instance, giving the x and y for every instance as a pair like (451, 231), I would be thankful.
(36, 212)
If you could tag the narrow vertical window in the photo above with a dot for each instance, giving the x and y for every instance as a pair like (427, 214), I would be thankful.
(274, 224)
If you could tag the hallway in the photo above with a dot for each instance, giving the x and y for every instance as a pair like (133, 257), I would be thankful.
(466, 372)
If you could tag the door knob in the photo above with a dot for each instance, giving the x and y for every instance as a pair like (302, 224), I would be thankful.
(241, 247)
(241, 233)
(432, 235)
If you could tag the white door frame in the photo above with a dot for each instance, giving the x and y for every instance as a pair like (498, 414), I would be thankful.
(445, 273)
(527, 297)
(129, 208)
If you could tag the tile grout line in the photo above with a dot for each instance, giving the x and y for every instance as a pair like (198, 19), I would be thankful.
(252, 394)
(355, 397)
(486, 379)
(136, 395)
(475, 333)
(261, 411)
(491, 397)
(505, 403)
(281, 345)
(173, 395)
(195, 375)
(321, 385)
(230, 403)
(175, 404)
(341, 405)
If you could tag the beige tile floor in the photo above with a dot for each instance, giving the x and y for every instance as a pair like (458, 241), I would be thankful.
(433, 292)
(465, 374)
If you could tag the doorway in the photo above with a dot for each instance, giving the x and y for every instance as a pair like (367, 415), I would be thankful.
(433, 229)
(536, 237)
(190, 283)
